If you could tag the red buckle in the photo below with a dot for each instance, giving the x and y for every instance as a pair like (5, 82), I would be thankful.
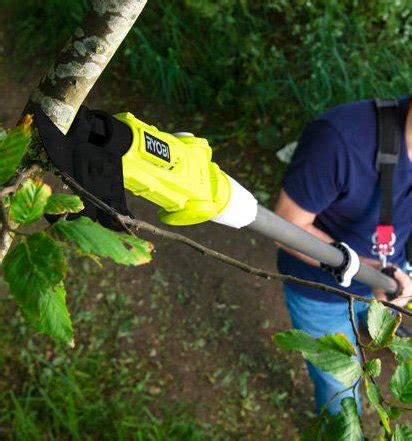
(384, 240)
(385, 235)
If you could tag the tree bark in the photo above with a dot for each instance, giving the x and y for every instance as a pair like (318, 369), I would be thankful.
(63, 89)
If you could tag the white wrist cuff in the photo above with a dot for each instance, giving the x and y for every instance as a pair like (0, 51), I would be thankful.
(241, 209)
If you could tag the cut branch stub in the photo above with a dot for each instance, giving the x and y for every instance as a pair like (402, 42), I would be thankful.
(83, 59)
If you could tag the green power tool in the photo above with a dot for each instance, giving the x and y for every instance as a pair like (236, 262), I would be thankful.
(106, 154)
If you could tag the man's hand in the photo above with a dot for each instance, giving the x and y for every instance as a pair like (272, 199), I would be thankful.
(405, 283)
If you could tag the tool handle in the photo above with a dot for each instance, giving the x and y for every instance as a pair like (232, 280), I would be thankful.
(275, 227)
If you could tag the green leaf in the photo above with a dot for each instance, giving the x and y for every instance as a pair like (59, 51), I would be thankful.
(338, 342)
(13, 147)
(295, 339)
(331, 353)
(381, 324)
(402, 348)
(92, 238)
(402, 432)
(33, 269)
(394, 412)
(27, 205)
(142, 249)
(373, 367)
(34, 265)
(54, 317)
(375, 398)
(60, 203)
(401, 382)
(345, 426)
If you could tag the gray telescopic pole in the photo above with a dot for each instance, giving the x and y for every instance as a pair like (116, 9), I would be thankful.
(288, 234)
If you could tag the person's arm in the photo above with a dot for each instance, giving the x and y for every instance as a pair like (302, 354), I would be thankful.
(292, 212)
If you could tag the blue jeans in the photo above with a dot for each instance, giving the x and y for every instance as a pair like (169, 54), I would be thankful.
(317, 319)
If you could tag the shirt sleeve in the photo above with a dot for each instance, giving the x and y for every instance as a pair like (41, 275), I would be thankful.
(316, 174)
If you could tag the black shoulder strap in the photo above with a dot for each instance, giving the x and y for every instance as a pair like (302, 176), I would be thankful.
(389, 141)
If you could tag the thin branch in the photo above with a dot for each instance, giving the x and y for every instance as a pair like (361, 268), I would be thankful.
(356, 331)
(26, 174)
(159, 232)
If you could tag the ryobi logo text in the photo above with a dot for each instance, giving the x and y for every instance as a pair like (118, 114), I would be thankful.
(157, 147)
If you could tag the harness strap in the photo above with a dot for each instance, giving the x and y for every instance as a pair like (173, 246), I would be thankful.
(389, 141)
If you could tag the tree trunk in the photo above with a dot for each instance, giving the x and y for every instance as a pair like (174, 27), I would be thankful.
(63, 89)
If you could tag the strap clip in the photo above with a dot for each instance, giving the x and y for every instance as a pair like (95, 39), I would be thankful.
(383, 241)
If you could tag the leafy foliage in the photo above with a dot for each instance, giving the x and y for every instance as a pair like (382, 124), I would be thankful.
(401, 382)
(34, 270)
(375, 399)
(334, 354)
(13, 147)
(402, 433)
(402, 348)
(381, 324)
(63, 203)
(32, 266)
(27, 205)
(94, 239)
(345, 426)
(331, 353)
(373, 367)
(36, 267)
(54, 316)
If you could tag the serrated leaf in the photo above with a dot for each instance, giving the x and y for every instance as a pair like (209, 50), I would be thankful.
(60, 203)
(402, 432)
(54, 317)
(401, 348)
(33, 265)
(338, 342)
(373, 367)
(331, 353)
(345, 426)
(33, 269)
(381, 324)
(27, 205)
(375, 399)
(13, 147)
(401, 382)
(295, 339)
(141, 248)
(94, 239)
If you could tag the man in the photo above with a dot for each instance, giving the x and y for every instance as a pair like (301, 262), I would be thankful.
(332, 190)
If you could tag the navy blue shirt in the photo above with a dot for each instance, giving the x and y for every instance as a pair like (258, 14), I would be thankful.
(333, 174)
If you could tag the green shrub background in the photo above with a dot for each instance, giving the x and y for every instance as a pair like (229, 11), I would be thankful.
(253, 68)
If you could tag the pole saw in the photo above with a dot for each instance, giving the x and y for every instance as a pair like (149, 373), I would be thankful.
(106, 154)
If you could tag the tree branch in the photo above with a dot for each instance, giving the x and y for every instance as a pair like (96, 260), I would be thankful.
(356, 331)
(63, 89)
(159, 232)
